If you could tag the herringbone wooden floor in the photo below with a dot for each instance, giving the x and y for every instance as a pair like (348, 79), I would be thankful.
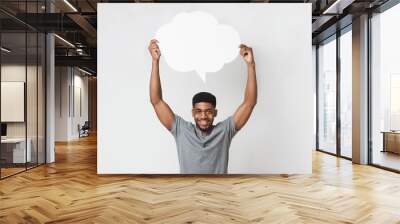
(70, 191)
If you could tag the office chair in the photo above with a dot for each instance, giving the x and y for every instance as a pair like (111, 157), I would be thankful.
(84, 130)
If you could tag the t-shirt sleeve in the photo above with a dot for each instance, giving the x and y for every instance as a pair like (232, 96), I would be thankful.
(178, 125)
(229, 124)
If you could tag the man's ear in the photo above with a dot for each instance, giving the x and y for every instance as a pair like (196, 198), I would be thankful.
(215, 112)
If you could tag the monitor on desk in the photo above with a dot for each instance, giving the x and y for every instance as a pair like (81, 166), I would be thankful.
(3, 130)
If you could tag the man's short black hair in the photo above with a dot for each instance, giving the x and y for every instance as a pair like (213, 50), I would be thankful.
(204, 97)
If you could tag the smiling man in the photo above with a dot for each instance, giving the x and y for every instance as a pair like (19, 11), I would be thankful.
(203, 148)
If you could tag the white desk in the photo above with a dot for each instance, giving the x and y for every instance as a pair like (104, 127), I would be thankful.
(19, 149)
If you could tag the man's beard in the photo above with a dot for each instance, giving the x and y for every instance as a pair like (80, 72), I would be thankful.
(209, 127)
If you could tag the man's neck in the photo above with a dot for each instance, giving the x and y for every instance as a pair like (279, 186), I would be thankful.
(205, 132)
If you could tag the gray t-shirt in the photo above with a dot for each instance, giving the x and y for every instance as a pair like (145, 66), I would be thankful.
(199, 153)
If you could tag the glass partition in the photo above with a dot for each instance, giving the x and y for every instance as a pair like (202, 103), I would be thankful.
(22, 101)
(32, 95)
(14, 153)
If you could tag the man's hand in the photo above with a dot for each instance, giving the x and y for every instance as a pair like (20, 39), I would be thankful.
(247, 54)
(163, 111)
(244, 111)
(154, 50)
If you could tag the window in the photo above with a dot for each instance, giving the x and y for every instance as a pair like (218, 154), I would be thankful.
(327, 96)
(385, 89)
(346, 93)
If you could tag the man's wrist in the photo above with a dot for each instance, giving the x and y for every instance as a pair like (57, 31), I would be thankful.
(251, 64)
(155, 61)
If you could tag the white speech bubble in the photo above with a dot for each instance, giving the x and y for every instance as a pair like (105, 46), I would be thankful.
(196, 42)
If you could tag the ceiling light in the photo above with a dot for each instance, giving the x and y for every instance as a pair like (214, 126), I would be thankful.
(64, 40)
(338, 6)
(5, 50)
(331, 7)
(84, 71)
(70, 5)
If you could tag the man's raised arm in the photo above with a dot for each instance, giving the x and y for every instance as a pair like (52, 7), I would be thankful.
(244, 111)
(163, 111)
